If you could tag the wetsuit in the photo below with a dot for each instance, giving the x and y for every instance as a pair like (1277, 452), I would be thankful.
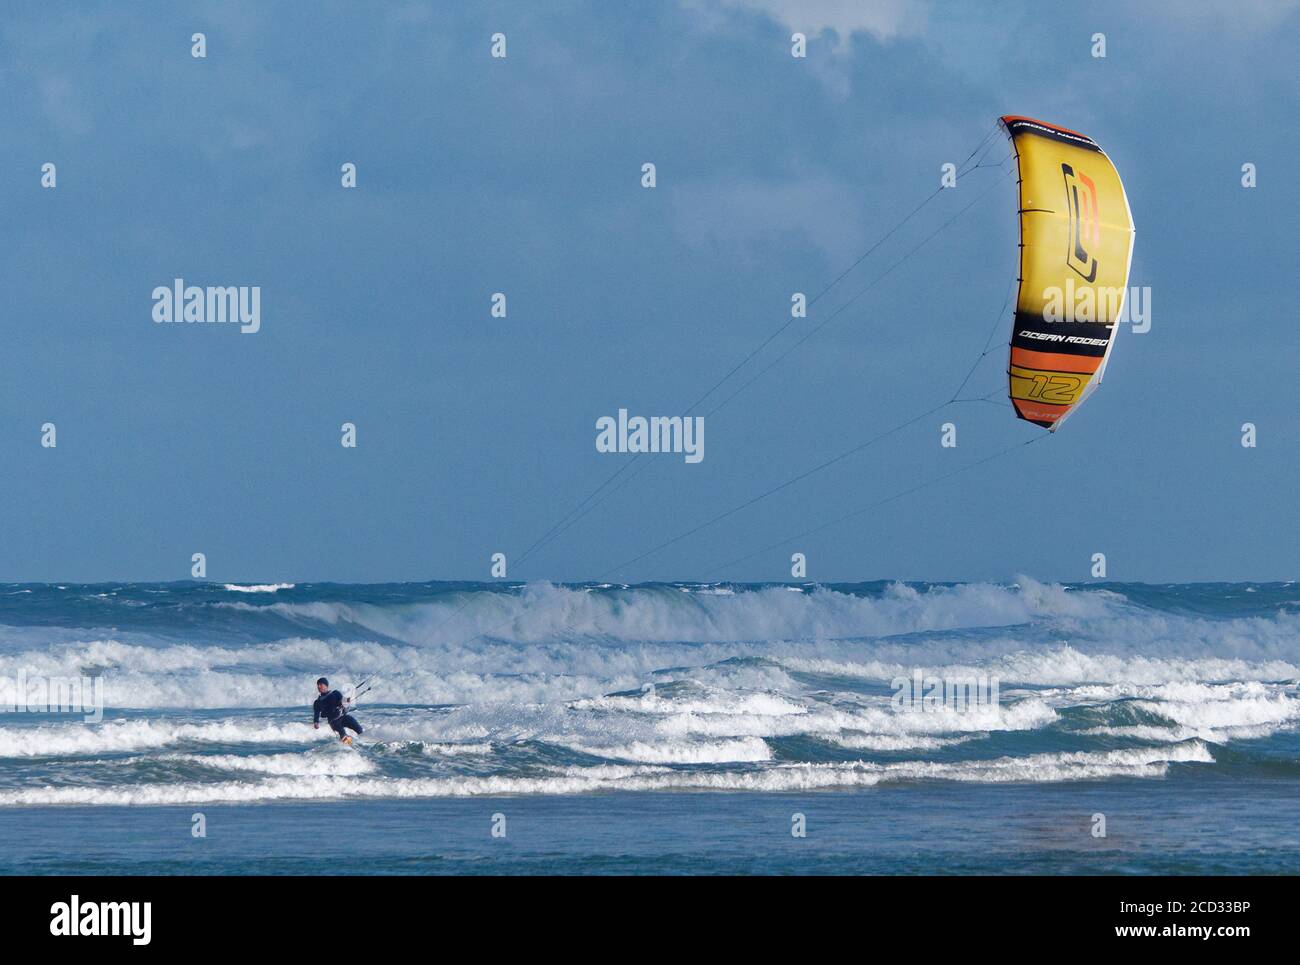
(331, 706)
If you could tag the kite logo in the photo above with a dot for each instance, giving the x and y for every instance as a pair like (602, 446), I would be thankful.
(1056, 389)
(1085, 228)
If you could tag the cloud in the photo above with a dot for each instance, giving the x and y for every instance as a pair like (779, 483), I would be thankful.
(883, 19)
(832, 23)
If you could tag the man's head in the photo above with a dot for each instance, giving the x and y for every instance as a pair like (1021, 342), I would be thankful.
(322, 685)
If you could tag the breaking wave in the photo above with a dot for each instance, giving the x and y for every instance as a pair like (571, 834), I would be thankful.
(548, 689)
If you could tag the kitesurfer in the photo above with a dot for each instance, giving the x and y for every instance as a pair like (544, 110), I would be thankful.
(332, 705)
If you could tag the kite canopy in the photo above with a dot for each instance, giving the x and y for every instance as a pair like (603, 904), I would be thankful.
(1076, 244)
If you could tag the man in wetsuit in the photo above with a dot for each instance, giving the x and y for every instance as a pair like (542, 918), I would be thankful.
(331, 704)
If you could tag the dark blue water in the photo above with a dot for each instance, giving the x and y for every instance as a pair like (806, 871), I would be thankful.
(1166, 827)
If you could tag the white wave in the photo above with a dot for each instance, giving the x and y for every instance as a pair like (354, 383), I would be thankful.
(745, 749)
(459, 748)
(454, 750)
(713, 728)
(819, 720)
(576, 780)
(548, 644)
(1276, 711)
(257, 587)
(186, 676)
(1174, 735)
(543, 612)
(1059, 665)
(896, 742)
(1220, 712)
(76, 739)
(757, 705)
(345, 762)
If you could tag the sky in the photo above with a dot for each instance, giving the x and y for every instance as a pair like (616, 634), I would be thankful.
(523, 175)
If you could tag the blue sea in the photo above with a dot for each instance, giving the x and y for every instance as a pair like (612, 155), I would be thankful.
(653, 728)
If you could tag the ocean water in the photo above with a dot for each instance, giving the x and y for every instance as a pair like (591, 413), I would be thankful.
(656, 728)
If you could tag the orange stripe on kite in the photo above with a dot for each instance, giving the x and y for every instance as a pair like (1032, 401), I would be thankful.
(1025, 358)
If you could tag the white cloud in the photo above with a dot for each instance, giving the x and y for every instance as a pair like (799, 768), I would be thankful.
(883, 19)
(833, 22)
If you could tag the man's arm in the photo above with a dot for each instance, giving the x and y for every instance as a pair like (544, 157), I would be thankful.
(316, 708)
